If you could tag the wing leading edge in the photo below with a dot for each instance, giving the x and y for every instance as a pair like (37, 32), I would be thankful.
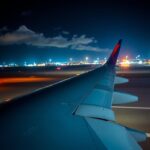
(59, 116)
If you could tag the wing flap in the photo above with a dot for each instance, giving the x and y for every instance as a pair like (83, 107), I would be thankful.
(123, 98)
(95, 105)
(95, 112)
(113, 136)
(138, 135)
(120, 80)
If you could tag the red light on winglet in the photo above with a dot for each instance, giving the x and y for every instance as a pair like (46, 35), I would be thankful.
(115, 49)
(114, 55)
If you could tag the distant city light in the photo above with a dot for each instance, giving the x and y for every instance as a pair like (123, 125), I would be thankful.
(126, 56)
(41, 64)
(124, 62)
(58, 68)
(86, 58)
(95, 62)
(138, 56)
(70, 59)
(140, 62)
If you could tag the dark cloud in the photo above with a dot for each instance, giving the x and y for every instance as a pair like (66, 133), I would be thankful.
(90, 48)
(26, 13)
(24, 35)
(3, 29)
(65, 32)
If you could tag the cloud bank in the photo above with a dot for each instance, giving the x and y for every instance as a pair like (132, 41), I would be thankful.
(24, 35)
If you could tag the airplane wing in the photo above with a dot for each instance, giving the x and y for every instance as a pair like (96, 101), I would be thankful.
(72, 114)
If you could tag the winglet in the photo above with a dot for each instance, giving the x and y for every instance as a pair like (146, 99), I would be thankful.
(114, 55)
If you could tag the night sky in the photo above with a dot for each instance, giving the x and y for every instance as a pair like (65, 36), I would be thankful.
(39, 30)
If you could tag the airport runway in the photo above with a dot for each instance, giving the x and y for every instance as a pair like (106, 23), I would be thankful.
(135, 115)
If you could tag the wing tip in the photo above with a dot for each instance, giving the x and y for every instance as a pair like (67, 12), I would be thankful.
(114, 55)
(120, 41)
